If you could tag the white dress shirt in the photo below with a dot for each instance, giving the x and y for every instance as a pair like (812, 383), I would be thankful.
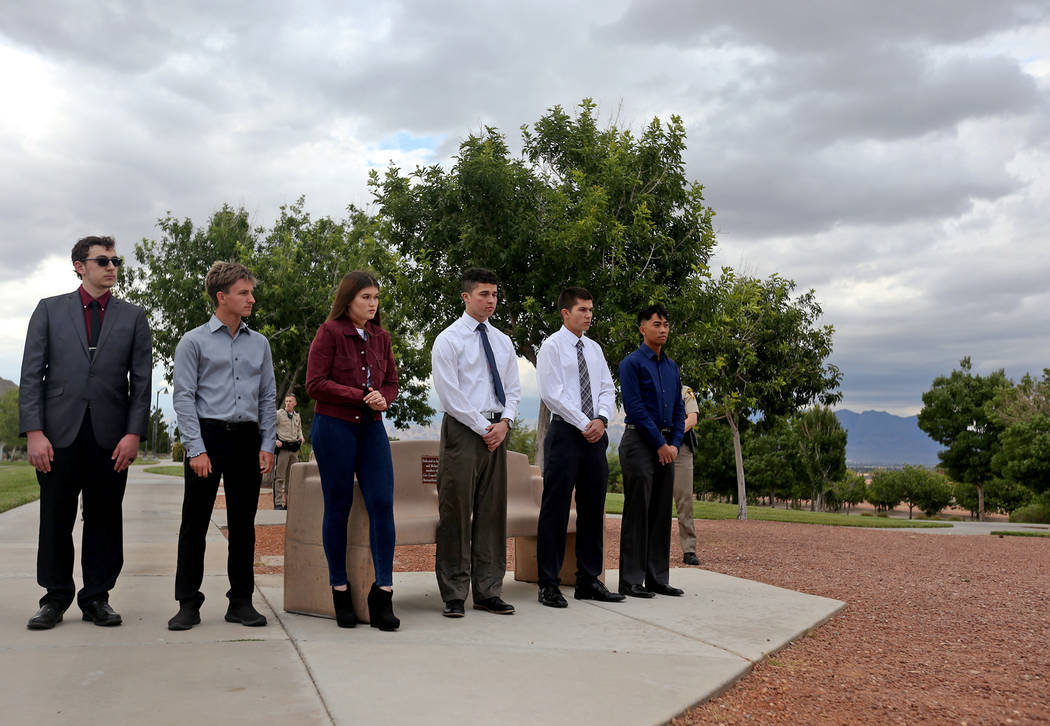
(461, 374)
(558, 371)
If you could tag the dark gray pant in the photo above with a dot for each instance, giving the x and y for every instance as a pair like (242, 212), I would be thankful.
(645, 530)
(472, 510)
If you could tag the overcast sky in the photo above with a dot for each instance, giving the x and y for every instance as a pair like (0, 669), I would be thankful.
(894, 156)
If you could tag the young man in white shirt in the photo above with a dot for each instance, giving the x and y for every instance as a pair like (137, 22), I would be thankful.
(475, 371)
(576, 385)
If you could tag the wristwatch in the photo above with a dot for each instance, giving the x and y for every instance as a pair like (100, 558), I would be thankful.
(604, 420)
(510, 424)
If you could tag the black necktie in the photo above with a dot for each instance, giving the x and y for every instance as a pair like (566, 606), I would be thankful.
(96, 327)
(496, 382)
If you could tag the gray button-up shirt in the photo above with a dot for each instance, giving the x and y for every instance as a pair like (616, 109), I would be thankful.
(224, 377)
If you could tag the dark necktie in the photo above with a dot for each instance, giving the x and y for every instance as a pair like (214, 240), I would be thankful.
(96, 327)
(586, 403)
(491, 359)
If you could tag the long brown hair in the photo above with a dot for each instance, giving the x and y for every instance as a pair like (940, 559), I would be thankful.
(351, 284)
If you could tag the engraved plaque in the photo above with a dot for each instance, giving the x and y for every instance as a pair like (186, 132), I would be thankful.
(430, 469)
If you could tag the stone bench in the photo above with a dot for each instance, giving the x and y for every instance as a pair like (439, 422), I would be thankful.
(306, 588)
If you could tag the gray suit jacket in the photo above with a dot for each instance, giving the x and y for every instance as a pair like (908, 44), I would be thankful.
(60, 380)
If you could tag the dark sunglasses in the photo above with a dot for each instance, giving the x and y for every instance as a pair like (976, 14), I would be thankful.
(104, 261)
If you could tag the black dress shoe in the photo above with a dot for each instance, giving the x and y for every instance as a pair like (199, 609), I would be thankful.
(453, 609)
(494, 604)
(689, 558)
(661, 589)
(551, 596)
(185, 618)
(634, 591)
(597, 591)
(242, 611)
(100, 613)
(46, 617)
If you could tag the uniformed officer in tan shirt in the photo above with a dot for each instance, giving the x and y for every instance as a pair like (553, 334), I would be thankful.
(289, 439)
(683, 480)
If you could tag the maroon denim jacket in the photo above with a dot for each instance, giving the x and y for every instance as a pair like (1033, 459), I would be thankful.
(337, 367)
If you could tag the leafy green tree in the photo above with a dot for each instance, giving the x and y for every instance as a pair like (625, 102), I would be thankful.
(755, 348)
(771, 458)
(713, 467)
(584, 205)
(9, 438)
(298, 263)
(955, 414)
(886, 489)
(615, 471)
(1023, 411)
(1005, 496)
(851, 490)
(822, 451)
(159, 439)
(522, 438)
(928, 490)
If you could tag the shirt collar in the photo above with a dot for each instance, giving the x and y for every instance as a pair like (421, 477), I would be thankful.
(214, 324)
(85, 298)
(650, 353)
(570, 336)
(471, 323)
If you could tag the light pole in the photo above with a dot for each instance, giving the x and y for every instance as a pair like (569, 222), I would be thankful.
(156, 406)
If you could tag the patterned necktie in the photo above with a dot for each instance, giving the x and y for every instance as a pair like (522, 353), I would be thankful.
(586, 404)
(96, 327)
(491, 359)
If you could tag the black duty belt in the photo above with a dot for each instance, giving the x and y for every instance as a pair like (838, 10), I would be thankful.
(632, 427)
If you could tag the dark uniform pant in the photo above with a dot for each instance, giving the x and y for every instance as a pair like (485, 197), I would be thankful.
(570, 461)
(645, 530)
(233, 449)
(472, 511)
(83, 466)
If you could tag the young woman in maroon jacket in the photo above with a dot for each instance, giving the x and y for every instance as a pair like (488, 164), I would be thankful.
(352, 378)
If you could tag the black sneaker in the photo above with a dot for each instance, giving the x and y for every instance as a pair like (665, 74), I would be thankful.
(244, 613)
(185, 618)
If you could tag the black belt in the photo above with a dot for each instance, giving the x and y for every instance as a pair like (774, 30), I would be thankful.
(228, 425)
(556, 417)
(633, 427)
(493, 417)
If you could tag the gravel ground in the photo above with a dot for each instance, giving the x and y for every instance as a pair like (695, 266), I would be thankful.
(952, 630)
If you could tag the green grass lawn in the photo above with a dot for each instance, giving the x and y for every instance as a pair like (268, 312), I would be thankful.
(167, 470)
(17, 485)
(716, 510)
(1013, 533)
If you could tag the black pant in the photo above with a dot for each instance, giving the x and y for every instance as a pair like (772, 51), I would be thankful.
(568, 461)
(81, 466)
(645, 530)
(234, 453)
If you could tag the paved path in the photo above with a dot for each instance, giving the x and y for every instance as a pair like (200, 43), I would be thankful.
(639, 662)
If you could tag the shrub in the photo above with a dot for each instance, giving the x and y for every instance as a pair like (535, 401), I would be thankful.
(178, 452)
(1038, 512)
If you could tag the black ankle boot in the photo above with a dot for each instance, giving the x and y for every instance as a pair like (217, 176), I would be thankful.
(344, 608)
(380, 609)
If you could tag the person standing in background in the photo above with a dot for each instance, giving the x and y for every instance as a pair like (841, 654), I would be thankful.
(289, 440)
(683, 479)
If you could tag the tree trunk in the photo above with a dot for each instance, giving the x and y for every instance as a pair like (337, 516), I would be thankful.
(542, 423)
(741, 490)
(980, 502)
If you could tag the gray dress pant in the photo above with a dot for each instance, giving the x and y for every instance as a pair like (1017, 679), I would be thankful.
(645, 530)
(472, 511)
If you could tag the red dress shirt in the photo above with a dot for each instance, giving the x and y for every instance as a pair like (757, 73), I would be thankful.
(103, 301)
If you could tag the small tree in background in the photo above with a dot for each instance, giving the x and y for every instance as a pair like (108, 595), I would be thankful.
(851, 490)
(886, 490)
(822, 451)
(928, 490)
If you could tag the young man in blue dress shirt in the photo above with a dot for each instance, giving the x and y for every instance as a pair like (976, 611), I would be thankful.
(224, 398)
(651, 387)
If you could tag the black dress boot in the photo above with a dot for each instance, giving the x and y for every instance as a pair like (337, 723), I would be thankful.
(344, 608)
(381, 610)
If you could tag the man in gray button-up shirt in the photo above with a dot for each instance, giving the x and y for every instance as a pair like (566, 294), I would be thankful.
(224, 399)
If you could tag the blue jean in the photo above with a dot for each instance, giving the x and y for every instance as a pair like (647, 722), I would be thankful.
(343, 449)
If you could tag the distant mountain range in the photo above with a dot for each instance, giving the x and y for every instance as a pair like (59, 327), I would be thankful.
(877, 438)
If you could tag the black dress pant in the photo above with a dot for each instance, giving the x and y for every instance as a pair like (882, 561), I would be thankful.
(234, 452)
(645, 530)
(85, 467)
(570, 461)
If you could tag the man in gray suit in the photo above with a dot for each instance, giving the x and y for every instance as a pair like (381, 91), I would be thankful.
(83, 405)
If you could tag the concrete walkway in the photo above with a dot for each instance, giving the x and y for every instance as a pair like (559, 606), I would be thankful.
(639, 662)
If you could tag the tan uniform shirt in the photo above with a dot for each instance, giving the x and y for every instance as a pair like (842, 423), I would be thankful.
(289, 428)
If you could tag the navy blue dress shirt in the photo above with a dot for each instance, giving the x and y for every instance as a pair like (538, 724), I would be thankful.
(652, 396)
